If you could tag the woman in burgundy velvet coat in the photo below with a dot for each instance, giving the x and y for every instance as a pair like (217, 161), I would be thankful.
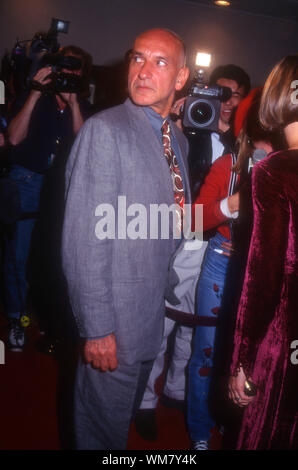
(267, 321)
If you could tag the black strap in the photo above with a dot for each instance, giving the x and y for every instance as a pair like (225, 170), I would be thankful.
(233, 178)
(232, 186)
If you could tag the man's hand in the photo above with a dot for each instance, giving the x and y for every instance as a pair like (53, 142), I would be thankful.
(236, 390)
(227, 248)
(41, 78)
(18, 128)
(101, 353)
(70, 98)
(233, 202)
(177, 108)
(2, 140)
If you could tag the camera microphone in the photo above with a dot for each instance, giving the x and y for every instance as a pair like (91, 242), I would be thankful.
(258, 155)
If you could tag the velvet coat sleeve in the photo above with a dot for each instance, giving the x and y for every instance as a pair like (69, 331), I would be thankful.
(262, 289)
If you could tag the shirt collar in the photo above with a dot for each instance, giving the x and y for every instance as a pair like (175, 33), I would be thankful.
(155, 118)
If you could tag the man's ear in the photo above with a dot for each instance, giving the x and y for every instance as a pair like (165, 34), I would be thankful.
(182, 77)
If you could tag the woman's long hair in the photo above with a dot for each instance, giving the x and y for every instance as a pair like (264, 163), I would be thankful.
(252, 131)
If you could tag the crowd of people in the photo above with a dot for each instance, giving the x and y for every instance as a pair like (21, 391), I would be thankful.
(229, 302)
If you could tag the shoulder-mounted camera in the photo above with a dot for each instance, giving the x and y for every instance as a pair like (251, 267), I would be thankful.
(62, 78)
(202, 105)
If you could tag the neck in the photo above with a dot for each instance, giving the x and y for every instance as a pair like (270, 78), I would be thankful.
(291, 135)
(60, 102)
(222, 126)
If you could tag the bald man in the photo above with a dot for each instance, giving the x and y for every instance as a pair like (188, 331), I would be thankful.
(117, 284)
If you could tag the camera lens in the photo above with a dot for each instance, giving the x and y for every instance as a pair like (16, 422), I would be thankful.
(201, 113)
(68, 83)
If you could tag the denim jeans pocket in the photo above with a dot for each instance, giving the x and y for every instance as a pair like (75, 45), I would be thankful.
(18, 173)
(29, 184)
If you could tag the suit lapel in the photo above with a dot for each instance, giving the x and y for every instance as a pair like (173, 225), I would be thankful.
(147, 140)
(150, 148)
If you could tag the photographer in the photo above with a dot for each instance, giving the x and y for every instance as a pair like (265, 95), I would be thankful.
(44, 124)
(38, 105)
(206, 146)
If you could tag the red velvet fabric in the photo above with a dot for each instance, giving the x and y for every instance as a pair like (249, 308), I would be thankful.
(267, 320)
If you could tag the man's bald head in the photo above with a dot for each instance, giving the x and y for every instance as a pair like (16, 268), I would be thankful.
(157, 69)
(167, 34)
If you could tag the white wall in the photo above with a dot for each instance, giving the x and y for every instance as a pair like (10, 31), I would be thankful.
(106, 28)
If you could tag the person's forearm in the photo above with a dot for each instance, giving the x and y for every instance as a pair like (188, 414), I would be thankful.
(2, 140)
(212, 214)
(18, 128)
(233, 203)
(77, 118)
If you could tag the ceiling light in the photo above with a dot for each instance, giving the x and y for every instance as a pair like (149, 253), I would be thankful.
(222, 3)
(203, 59)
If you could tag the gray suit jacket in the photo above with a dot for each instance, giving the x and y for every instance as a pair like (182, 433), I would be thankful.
(118, 285)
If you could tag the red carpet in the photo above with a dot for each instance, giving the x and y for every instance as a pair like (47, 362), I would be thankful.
(28, 406)
(28, 398)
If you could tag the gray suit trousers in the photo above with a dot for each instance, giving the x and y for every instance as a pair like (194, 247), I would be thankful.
(105, 404)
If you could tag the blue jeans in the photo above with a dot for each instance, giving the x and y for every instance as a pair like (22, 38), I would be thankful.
(208, 301)
(17, 241)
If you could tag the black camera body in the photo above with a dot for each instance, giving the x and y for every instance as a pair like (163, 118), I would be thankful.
(25, 63)
(66, 83)
(44, 43)
(61, 82)
(202, 107)
(48, 42)
(60, 61)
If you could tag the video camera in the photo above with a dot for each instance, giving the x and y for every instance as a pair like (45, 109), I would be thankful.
(202, 106)
(61, 82)
(25, 63)
(48, 42)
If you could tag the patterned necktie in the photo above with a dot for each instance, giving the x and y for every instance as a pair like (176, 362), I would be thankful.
(174, 169)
